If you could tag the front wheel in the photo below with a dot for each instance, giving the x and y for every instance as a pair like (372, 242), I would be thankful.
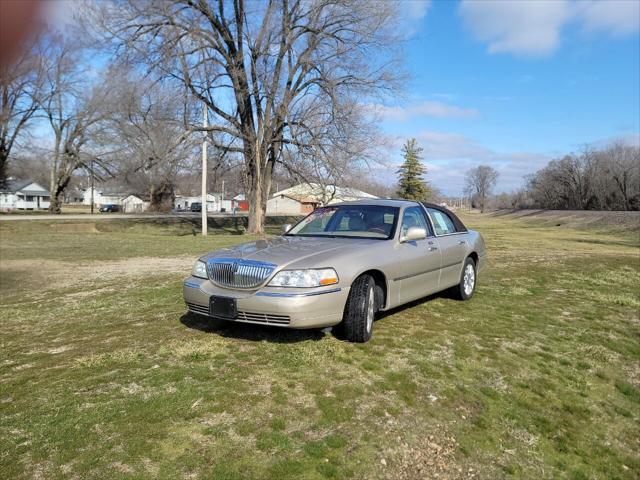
(359, 313)
(464, 290)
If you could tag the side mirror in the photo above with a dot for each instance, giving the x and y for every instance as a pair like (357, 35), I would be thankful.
(414, 233)
(286, 227)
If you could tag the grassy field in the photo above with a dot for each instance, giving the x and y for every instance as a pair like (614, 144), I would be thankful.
(104, 375)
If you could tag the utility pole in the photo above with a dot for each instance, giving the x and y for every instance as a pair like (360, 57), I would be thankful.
(204, 175)
(92, 186)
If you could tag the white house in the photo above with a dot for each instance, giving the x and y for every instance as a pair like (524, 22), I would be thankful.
(104, 197)
(303, 198)
(23, 195)
(290, 204)
(134, 204)
(214, 202)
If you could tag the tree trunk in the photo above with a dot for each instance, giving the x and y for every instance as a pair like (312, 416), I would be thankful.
(4, 159)
(256, 209)
(161, 198)
(55, 206)
(266, 186)
(255, 172)
(57, 193)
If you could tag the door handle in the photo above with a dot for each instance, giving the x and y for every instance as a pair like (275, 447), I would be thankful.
(431, 249)
(462, 242)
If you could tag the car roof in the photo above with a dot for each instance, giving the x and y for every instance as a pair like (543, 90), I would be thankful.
(383, 202)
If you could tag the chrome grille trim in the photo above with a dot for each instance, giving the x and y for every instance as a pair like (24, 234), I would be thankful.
(252, 317)
(263, 318)
(200, 309)
(238, 273)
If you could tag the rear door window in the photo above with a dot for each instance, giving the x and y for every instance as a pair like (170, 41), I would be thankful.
(442, 223)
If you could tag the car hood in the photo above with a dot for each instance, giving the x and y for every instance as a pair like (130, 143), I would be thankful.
(304, 252)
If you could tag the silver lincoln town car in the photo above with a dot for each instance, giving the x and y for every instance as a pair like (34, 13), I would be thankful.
(339, 266)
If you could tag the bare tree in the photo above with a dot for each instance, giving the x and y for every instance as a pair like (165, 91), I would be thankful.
(149, 125)
(621, 164)
(74, 109)
(479, 183)
(603, 179)
(30, 164)
(20, 85)
(277, 76)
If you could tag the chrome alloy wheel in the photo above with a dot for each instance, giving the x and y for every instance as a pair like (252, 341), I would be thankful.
(469, 280)
(370, 310)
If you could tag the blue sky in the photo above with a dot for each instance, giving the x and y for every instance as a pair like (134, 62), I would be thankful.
(514, 84)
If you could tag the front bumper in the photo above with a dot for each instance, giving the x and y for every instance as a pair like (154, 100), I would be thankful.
(284, 307)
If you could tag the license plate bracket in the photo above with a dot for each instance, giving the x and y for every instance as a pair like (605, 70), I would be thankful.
(223, 307)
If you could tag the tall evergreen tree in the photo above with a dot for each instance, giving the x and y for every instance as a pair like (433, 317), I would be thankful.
(411, 185)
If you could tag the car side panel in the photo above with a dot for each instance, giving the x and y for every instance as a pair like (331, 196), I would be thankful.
(420, 273)
(454, 251)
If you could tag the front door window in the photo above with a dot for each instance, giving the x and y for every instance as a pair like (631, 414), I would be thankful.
(414, 217)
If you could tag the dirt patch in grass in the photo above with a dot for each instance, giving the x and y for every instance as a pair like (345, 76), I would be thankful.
(56, 274)
(63, 227)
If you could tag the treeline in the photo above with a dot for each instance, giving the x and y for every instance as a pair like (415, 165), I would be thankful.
(594, 179)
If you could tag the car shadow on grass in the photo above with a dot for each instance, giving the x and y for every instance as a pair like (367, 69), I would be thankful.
(446, 294)
(249, 331)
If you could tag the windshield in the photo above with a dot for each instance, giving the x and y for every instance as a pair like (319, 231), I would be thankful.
(362, 221)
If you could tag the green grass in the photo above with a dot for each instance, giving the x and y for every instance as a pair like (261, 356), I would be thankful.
(104, 375)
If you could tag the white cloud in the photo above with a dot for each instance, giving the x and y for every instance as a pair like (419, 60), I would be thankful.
(526, 27)
(619, 17)
(533, 27)
(411, 13)
(448, 156)
(447, 146)
(423, 109)
(415, 9)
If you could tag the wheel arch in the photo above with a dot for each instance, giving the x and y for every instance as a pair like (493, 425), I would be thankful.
(381, 281)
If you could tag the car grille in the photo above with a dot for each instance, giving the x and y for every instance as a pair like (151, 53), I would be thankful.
(201, 309)
(237, 273)
(266, 318)
(263, 318)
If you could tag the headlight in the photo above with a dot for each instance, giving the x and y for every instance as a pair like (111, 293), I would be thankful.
(199, 270)
(305, 278)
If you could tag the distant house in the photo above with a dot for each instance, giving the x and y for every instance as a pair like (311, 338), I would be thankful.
(104, 196)
(303, 198)
(214, 202)
(128, 202)
(24, 195)
(240, 204)
(291, 204)
(135, 204)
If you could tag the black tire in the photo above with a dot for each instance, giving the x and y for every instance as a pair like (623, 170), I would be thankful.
(461, 291)
(357, 323)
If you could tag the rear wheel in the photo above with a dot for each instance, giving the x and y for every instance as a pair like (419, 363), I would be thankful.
(464, 290)
(359, 313)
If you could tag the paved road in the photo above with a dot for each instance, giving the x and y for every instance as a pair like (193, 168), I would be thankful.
(111, 216)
